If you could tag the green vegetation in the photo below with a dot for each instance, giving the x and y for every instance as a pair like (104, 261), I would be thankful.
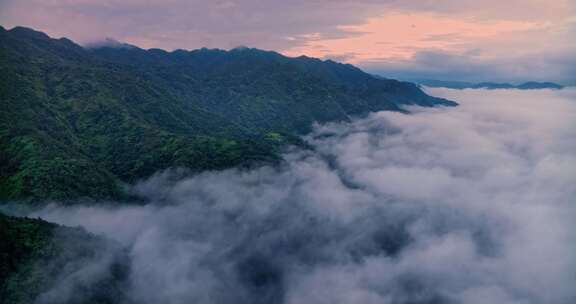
(79, 122)
(36, 256)
(82, 123)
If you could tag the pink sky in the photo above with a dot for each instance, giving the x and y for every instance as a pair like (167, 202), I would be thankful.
(513, 36)
(401, 35)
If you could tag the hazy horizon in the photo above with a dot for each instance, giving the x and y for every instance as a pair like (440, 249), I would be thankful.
(442, 39)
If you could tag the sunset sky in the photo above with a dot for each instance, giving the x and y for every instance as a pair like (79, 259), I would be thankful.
(490, 40)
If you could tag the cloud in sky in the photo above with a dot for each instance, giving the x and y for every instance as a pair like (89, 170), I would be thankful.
(558, 66)
(400, 35)
(471, 204)
(535, 34)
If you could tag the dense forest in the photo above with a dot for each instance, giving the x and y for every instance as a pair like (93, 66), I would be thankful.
(36, 256)
(83, 122)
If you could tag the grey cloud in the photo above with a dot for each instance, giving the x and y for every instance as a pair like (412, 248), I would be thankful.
(427, 64)
(450, 205)
(493, 9)
(192, 24)
(344, 57)
(266, 24)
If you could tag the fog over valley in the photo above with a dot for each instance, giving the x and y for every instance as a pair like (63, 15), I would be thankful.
(470, 204)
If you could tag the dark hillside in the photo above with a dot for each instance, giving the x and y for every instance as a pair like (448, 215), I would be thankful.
(37, 256)
(79, 122)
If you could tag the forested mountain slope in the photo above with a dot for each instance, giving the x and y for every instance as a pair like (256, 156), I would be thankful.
(80, 122)
(37, 257)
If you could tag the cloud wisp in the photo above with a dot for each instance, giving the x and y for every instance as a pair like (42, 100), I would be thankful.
(472, 204)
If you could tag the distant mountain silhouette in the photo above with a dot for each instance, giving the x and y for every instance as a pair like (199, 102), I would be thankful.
(531, 85)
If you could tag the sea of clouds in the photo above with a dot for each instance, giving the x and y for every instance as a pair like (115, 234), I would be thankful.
(473, 204)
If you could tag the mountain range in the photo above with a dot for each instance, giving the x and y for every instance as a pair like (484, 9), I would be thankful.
(86, 121)
(530, 85)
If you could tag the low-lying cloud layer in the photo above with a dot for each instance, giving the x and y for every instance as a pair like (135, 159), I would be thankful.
(473, 204)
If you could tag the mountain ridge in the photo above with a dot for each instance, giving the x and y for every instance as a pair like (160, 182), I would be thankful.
(82, 122)
(528, 85)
